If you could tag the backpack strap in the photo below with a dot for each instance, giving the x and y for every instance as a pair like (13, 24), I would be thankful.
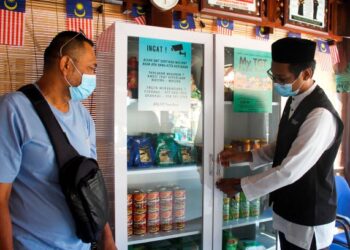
(63, 149)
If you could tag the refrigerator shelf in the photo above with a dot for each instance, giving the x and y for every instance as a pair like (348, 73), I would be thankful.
(157, 170)
(265, 216)
(193, 227)
(269, 241)
(273, 103)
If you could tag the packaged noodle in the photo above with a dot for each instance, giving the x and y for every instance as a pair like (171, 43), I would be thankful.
(166, 153)
(144, 156)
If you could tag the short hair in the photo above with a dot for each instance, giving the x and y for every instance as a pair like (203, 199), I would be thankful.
(296, 68)
(52, 52)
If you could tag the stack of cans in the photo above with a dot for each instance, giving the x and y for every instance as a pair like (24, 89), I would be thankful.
(234, 207)
(130, 218)
(153, 208)
(140, 212)
(166, 209)
(179, 208)
(226, 209)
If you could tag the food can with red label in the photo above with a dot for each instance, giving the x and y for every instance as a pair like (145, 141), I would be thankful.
(166, 199)
(153, 201)
(140, 202)
(179, 198)
(166, 225)
(153, 226)
(130, 203)
(140, 224)
(130, 225)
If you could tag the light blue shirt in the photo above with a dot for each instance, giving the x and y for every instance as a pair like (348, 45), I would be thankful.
(40, 216)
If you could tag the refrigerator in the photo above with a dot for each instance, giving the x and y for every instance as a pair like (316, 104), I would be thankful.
(155, 125)
(246, 115)
(164, 110)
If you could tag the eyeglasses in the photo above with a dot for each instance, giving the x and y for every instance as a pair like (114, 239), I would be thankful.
(270, 74)
(81, 32)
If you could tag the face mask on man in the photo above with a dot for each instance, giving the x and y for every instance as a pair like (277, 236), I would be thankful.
(86, 87)
(286, 89)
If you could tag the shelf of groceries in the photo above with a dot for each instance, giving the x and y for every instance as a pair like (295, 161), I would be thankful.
(156, 169)
(192, 227)
(273, 103)
(263, 217)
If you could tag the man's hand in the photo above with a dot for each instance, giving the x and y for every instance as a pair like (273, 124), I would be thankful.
(107, 239)
(229, 186)
(230, 155)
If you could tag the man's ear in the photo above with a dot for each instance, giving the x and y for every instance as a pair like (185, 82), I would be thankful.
(64, 65)
(307, 74)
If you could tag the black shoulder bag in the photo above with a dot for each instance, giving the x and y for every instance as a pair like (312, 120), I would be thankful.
(80, 177)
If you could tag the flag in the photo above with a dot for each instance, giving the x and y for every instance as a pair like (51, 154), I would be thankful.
(138, 12)
(323, 56)
(12, 22)
(224, 26)
(292, 34)
(79, 16)
(334, 54)
(260, 33)
(184, 24)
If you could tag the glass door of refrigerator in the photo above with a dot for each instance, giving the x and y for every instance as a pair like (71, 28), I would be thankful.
(167, 202)
(236, 220)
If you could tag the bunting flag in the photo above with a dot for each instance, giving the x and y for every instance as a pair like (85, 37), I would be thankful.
(12, 14)
(292, 34)
(260, 33)
(79, 16)
(138, 12)
(334, 54)
(224, 26)
(184, 24)
(323, 56)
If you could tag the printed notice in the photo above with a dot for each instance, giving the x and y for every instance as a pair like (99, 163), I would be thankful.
(252, 86)
(164, 75)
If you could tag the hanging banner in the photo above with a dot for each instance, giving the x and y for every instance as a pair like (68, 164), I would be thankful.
(252, 86)
(164, 75)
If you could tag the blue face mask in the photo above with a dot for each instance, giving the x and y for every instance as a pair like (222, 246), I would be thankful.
(286, 89)
(86, 87)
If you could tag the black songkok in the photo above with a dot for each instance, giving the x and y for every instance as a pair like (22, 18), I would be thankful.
(293, 50)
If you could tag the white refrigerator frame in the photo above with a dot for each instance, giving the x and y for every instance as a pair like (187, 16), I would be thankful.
(122, 32)
(220, 42)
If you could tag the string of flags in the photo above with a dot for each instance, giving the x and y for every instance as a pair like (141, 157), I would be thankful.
(12, 14)
(184, 24)
(79, 16)
(224, 27)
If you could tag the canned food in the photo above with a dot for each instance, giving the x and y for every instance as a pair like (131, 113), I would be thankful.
(130, 230)
(179, 213)
(180, 223)
(166, 215)
(179, 193)
(152, 216)
(139, 218)
(130, 203)
(254, 208)
(140, 228)
(166, 225)
(244, 209)
(234, 209)
(153, 226)
(152, 195)
(246, 145)
(140, 202)
(226, 209)
(164, 194)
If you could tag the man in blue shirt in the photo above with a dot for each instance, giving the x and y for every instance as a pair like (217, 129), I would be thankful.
(33, 212)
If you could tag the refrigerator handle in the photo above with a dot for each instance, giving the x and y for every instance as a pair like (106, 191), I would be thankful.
(218, 167)
(211, 164)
